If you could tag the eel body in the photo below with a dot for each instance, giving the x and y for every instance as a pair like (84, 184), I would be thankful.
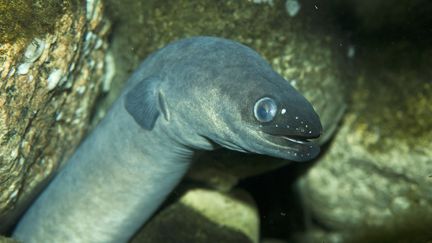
(194, 94)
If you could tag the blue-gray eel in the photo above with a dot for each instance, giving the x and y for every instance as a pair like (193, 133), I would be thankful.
(199, 93)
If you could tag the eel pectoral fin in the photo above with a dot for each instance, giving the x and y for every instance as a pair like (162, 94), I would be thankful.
(144, 102)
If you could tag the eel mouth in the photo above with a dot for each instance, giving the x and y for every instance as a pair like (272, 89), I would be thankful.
(298, 140)
(297, 148)
(301, 144)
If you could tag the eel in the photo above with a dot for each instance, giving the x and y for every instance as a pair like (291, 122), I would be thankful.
(199, 93)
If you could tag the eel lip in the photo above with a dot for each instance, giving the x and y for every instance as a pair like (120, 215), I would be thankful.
(293, 148)
(298, 140)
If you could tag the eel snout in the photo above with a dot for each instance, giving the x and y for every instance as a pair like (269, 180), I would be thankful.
(294, 136)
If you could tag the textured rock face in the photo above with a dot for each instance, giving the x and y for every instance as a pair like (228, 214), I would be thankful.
(202, 215)
(374, 184)
(49, 83)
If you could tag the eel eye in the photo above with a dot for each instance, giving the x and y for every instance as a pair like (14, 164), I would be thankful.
(265, 109)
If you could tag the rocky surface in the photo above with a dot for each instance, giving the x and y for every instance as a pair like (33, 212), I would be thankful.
(201, 216)
(51, 74)
(375, 181)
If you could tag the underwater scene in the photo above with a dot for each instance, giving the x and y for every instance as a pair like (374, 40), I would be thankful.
(236, 121)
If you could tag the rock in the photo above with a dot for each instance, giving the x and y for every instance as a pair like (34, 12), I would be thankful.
(202, 216)
(52, 64)
(374, 183)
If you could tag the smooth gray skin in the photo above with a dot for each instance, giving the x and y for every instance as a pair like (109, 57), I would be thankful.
(194, 94)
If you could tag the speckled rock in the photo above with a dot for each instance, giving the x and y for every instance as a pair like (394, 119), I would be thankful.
(49, 83)
(307, 56)
(201, 216)
(375, 182)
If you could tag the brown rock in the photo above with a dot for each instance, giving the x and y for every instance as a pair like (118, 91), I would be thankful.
(202, 216)
(374, 184)
(50, 81)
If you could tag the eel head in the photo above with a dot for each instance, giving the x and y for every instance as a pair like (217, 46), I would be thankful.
(270, 118)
